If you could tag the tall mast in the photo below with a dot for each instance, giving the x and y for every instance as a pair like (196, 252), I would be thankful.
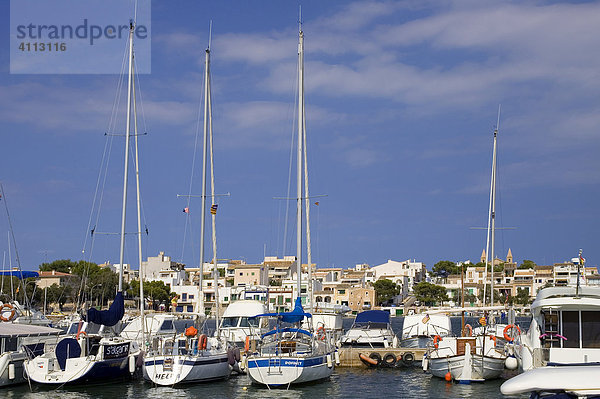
(139, 205)
(204, 151)
(127, 135)
(300, 154)
(493, 212)
(213, 210)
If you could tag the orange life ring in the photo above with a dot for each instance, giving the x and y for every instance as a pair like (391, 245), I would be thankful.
(12, 312)
(247, 344)
(321, 333)
(510, 327)
(436, 339)
(468, 327)
(493, 338)
(79, 333)
(202, 341)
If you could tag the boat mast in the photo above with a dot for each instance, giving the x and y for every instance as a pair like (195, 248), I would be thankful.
(493, 212)
(300, 154)
(127, 135)
(213, 209)
(204, 160)
(139, 206)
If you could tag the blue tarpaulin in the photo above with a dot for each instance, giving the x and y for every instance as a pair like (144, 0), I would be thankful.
(373, 316)
(294, 316)
(111, 316)
(21, 274)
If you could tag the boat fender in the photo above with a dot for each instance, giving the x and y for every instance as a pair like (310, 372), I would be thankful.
(329, 361)
(436, 339)
(508, 328)
(369, 360)
(389, 360)
(6, 308)
(425, 363)
(230, 356)
(11, 371)
(202, 341)
(408, 358)
(132, 364)
(337, 357)
(247, 344)
(511, 363)
(448, 376)
(470, 330)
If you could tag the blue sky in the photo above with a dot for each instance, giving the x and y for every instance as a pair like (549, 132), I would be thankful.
(402, 100)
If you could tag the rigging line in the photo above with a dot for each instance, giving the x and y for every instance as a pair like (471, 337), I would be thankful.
(139, 91)
(293, 135)
(188, 222)
(14, 241)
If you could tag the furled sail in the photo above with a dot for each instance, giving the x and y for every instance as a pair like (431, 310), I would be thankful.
(111, 316)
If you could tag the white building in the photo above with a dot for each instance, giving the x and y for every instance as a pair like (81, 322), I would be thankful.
(414, 272)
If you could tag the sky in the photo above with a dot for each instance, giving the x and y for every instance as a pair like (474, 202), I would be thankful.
(402, 100)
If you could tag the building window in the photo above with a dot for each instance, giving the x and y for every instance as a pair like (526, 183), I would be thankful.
(341, 292)
(241, 273)
(288, 300)
(253, 273)
(184, 297)
(191, 296)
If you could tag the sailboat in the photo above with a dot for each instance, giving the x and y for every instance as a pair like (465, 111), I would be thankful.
(95, 354)
(470, 358)
(290, 354)
(194, 357)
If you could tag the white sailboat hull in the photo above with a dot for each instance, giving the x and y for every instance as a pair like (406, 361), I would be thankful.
(186, 368)
(285, 370)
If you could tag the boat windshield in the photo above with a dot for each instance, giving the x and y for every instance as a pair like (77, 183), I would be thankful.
(230, 322)
(249, 322)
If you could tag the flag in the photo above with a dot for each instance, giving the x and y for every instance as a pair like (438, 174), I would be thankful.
(581, 260)
(213, 209)
(186, 210)
(317, 203)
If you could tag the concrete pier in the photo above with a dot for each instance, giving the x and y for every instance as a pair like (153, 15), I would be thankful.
(349, 355)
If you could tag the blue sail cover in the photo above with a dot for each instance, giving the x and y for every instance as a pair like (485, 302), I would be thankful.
(294, 316)
(20, 274)
(111, 316)
(372, 316)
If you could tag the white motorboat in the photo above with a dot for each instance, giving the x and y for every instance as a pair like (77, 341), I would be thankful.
(465, 359)
(17, 343)
(157, 325)
(419, 329)
(371, 329)
(561, 350)
(239, 322)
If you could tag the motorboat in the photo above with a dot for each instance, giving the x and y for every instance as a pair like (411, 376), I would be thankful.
(157, 325)
(19, 342)
(239, 322)
(419, 330)
(371, 328)
(560, 352)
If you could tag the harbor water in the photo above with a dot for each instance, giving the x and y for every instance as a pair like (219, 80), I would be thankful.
(404, 382)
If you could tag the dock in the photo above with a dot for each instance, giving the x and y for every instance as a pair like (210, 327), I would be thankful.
(349, 355)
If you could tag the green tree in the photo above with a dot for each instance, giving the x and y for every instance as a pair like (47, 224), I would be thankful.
(527, 264)
(445, 267)
(154, 290)
(429, 294)
(385, 290)
(60, 265)
(497, 296)
(522, 297)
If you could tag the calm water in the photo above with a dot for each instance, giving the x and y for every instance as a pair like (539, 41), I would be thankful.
(344, 383)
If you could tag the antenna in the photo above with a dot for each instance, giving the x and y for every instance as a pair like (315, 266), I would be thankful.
(498, 123)
(209, 33)
(300, 17)
(135, 12)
